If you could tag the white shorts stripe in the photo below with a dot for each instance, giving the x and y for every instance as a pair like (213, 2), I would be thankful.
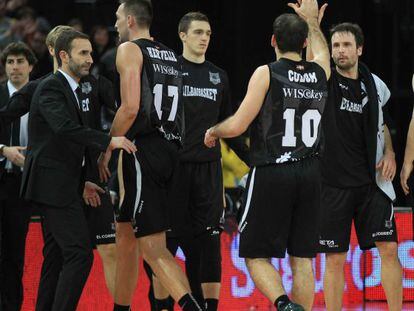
(138, 185)
(249, 198)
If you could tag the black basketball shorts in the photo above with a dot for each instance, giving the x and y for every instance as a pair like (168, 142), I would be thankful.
(101, 221)
(281, 210)
(369, 208)
(144, 180)
(196, 198)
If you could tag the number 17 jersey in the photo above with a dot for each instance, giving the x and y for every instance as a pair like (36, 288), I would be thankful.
(287, 127)
(161, 107)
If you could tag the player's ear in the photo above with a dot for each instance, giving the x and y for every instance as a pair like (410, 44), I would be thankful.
(273, 41)
(182, 35)
(305, 44)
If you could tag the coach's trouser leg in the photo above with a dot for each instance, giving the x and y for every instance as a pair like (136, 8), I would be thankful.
(391, 274)
(108, 256)
(303, 289)
(265, 277)
(334, 281)
(163, 264)
(127, 255)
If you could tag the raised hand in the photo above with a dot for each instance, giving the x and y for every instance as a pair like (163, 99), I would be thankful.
(307, 9)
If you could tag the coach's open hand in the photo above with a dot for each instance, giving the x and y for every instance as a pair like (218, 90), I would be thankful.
(91, 194)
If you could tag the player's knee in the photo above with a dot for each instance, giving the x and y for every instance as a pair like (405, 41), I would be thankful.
(107, 252)
(335, 261)
(252, 263)
(152, 250)
(300, 265)
(388, 250)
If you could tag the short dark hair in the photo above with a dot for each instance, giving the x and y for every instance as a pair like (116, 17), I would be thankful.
(290, 32)
(186, 20)
(64, 42)
(141, 10)
(18, 48)
(351, 28)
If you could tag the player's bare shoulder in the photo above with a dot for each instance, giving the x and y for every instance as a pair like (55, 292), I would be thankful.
(128, 54)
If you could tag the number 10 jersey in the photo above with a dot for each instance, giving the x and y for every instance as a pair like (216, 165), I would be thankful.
(161, 106)
(288, 125)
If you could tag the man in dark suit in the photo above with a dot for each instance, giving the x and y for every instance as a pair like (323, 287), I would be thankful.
(53, 177)
(102, 106)
(18, 61)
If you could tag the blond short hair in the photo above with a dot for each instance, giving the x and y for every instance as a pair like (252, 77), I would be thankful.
(55, 33)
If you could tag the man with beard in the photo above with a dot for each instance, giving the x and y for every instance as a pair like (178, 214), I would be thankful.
(54, 166)
(100, 94)
(358, 167)
(151, 112)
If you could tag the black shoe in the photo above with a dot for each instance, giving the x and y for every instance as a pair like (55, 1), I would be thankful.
(291, 306)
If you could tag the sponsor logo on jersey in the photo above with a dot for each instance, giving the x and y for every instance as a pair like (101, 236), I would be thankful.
(308, 77)
(300, 67)
(302, 93)
(190, 91)
(161, 54)
(347, 105)
(214, 77)
(166, 70)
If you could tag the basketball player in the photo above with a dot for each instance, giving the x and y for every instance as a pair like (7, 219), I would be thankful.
(358, 167)
(284, 105)
(151, 113)
(197, 192)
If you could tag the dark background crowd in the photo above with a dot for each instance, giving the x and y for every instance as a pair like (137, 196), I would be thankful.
(240, 41)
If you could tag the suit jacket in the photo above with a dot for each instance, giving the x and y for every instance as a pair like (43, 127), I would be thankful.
(58, 139)
(4, 131)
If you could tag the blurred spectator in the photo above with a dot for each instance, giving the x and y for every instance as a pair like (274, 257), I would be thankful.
(13, 5)
(28, 23)
(44, 64)
(6, 23)
(100, 42)
(76, 23)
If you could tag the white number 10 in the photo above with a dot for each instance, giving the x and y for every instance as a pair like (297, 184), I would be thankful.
(310, 124)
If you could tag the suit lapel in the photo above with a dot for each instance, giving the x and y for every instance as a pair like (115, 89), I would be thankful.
(69, 93)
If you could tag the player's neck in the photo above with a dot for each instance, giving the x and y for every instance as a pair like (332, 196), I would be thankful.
(140, 34)
(289, 55)
(351, 73)
(194, 58)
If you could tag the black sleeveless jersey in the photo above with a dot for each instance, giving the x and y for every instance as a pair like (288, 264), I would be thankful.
(161, 107)
(287, 127)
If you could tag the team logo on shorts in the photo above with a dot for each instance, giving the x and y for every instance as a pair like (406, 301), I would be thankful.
(215, 78)
(388, 224)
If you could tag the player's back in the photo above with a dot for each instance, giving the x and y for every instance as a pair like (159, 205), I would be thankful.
(161, 108)
(287, 127)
